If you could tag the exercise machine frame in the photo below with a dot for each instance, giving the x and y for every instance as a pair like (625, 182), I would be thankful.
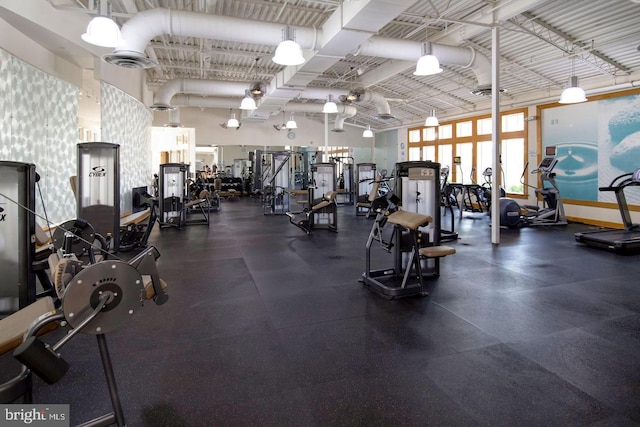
(623, 241)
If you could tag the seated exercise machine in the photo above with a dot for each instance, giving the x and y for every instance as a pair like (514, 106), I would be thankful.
(363, 207)
(136, 228)
(305, 219)
(622, 241)
(415, 236)
(95, 300)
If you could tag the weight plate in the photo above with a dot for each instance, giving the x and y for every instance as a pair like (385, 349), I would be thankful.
(117, 279)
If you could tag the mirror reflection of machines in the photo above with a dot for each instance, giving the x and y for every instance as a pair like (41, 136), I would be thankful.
(365, 190)
(171, 193)
(622, 241)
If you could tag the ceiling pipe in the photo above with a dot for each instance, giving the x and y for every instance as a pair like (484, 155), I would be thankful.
(174, 119)
(344, 112)
(163, 97)
(407, 50)
(205, 101)
(379, 101)
(338, 126)
(144, 26)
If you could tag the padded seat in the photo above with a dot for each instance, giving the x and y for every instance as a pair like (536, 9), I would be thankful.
(436, 251)
(13, 327)
(410, 220)
(373, 194)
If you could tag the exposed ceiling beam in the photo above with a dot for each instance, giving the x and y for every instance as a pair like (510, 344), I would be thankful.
(567, 44)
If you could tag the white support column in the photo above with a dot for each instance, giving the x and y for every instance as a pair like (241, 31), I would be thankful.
(495, 132)
(325, 157)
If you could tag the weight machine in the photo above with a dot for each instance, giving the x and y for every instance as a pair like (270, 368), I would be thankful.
(323, 188)
(365, 192)
(17, 231)
(98, 192)
(344, 178)
(415, 236)
(175, 206)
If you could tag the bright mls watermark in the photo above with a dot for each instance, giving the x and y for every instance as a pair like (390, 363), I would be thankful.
(34, 415)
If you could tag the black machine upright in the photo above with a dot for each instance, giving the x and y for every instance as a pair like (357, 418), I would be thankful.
(98, 193)
(17, 227)
(626, 240)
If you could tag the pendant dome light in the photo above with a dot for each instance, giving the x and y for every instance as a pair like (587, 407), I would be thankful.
(233, 122)
(573, 94)
(291, 124)
(428, 64)
(330, 106)
(248, 103)
(368, 133)
(102, 30)
(288, 51)
(432, 120)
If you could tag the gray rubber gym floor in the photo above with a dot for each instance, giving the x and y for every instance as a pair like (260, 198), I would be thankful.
(266, 326)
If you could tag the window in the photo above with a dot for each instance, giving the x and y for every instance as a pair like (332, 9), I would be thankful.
(445, 132)
(485, 126)
(429, 134)
(464, 129)
(513, 164)
(513, 122)
(414, 135)
(470, 139)
(429, 152)
(414, 153)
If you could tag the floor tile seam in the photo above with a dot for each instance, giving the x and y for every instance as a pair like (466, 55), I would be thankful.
(599, 301)
(509, 344)
(320, 322)
(559, 375)
(467, 321)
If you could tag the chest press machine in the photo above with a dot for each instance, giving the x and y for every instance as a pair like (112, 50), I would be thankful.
(415, 237)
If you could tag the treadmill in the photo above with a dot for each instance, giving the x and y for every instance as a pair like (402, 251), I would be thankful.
(623, 241)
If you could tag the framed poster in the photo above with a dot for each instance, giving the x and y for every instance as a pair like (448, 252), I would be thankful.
(595, 141)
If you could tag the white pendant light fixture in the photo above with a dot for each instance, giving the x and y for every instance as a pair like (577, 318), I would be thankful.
(330, 106)
(428, 64)
(233, 122)
(573, 94)
(288, 51)
(248, 103)
(102, 30)
(368, 133)
(432, 120)
(291, 124)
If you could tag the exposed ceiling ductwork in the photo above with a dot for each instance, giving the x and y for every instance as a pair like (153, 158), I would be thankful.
(344, 112)
(349, 30)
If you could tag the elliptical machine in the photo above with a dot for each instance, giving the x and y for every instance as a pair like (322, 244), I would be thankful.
(551, 212)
